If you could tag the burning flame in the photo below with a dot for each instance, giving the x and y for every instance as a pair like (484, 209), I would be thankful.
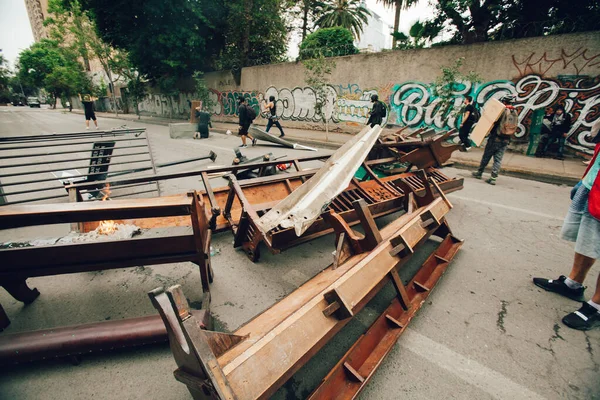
(106, 227)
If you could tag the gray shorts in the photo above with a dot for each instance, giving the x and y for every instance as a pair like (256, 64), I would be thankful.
(582, 228)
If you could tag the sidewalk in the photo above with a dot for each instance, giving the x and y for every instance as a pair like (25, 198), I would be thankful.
(567, 172)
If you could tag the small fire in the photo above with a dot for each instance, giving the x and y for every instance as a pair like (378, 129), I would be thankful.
(106, 227)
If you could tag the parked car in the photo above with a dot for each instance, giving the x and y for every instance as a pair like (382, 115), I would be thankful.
(33, 102)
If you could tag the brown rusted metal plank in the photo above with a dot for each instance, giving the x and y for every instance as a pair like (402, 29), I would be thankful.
(372, 347)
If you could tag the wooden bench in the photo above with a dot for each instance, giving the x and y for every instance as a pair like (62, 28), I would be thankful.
(18, 264)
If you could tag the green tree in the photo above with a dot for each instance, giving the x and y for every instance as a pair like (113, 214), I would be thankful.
(202, 91)
(5, 92)
(317, 72)
(71, 26)
(398, 6)
(349, 14)
(450, 81)
(256, 34)
(327, 42)
(46, 65)
(471, 21)
(137, 86)
(307, 12)
(416, 38)
(164, 39)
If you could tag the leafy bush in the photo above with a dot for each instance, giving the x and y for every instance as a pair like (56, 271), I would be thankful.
(327, 42)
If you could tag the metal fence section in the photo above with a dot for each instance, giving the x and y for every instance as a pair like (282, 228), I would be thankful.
(39, 167)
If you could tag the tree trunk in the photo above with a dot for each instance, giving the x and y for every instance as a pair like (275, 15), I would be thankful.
(396, 22)
(305, 19)
(114, 96)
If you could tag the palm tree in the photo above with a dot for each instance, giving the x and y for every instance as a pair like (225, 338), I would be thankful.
(399, 4)
(349, 14)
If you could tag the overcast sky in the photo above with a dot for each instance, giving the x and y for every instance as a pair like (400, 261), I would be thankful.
(16, 34)
(15, 30)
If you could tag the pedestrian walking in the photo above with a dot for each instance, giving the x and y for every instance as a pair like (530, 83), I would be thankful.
(469, 118)
(203, 123)
(498, 141)
(377, 113)
(88, 106)
(271, 108)
(559, 126)
(69, 106)
(246, 115)
(582, 226)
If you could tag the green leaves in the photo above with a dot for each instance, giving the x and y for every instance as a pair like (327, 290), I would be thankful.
(327, 42)
(349, 14)
(447, 84)
(46, 65)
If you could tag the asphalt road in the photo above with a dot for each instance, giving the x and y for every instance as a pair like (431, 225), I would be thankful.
(485, 332)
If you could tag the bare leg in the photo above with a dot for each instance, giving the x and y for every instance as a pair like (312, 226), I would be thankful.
(581, 266)
(244, 140)
(596, 297)
(96, 123)
(87, 123)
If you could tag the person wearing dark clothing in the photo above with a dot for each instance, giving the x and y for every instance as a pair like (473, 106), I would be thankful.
(560, 124)
(271, 107)
(499, 140)
(203, 123)
(377, 112)
(88, 106)
(244, 121)
(468, 119)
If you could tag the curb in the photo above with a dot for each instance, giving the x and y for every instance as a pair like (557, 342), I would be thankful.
(522, 174)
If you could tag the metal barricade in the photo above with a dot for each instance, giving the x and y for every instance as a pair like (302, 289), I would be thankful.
(39, 167)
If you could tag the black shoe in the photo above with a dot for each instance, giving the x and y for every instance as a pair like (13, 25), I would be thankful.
(282, 135)
(253, 142)
(584, 319)
(560, 287)
(559, 157)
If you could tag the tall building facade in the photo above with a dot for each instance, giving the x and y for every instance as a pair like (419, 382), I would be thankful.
(38, 12)
(376, 35)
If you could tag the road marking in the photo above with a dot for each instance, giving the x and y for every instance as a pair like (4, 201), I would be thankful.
(522, 210)
(478, 375)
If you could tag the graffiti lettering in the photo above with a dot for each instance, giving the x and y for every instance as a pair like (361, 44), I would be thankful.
(416, 106)
(541, 65)
(299, 104)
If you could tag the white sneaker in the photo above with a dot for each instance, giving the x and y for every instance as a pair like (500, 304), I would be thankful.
(96, 127)
(87, 128)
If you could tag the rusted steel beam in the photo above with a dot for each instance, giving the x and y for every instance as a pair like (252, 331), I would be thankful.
(79, 340)
(19, 264)
(371, 348)
(430, 152)
(260, 356)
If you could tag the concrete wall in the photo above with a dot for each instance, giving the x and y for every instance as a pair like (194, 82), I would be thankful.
(541, 72)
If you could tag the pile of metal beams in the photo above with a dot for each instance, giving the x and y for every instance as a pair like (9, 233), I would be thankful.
(276, 211)
(253, 362)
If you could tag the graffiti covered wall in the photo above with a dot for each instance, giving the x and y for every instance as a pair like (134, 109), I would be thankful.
(542, 72)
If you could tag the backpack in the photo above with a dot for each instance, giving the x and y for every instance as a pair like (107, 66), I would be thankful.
(383, 109)
(251, 112)
(509, 121)
(476, 115)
